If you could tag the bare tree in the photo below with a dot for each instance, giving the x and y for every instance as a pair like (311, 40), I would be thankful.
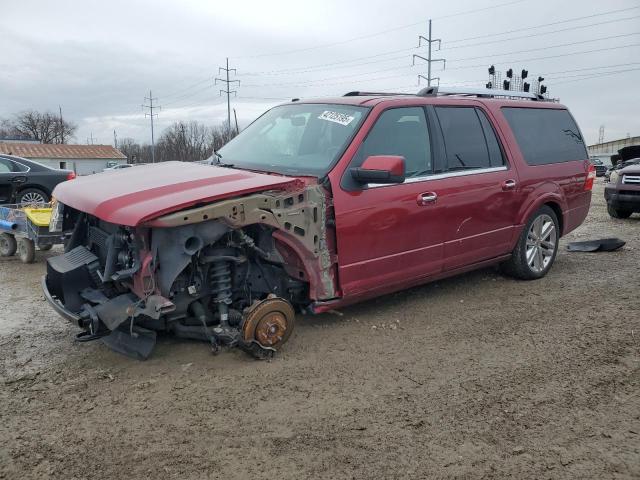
(131, 149)
(45, 127)
(183, 141)
(7, 129)
(190, 141)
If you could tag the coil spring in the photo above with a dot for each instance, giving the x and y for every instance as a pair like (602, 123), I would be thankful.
(220, 281)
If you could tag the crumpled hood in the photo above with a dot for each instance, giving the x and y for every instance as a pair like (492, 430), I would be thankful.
(134, 195)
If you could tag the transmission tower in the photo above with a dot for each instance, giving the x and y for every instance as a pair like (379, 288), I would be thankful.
(227, 90)
(151, 108)
(430, 41)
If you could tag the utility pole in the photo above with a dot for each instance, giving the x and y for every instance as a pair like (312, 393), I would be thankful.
(115, 140)
(235, 115)
(228, 90)
(61, 126)
(429, 58)
(151, 107)
(90, 139)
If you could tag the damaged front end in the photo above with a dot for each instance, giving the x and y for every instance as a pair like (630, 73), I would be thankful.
(230, 273)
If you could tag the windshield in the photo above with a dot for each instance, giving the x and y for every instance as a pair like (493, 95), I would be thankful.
(303, 139)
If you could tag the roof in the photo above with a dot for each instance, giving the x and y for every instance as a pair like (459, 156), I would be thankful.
(41, 150)
(415, 100)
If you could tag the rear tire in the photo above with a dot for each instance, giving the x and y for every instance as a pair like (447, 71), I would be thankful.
(26, 250)
(8, 245)
(617, 213)
(32, 196)
(537, 247)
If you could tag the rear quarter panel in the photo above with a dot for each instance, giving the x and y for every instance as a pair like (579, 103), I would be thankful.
(558, 184)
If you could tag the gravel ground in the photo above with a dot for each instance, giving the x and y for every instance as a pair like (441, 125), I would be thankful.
(478, 376)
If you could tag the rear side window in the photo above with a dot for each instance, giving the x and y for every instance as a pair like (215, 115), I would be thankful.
(546, 135)
(469, 139)
(5, 166)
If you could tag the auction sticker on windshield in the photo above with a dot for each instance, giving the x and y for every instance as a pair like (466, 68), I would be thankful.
(336, 117)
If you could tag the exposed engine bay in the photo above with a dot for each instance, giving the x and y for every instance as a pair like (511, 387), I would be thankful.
(231, 273)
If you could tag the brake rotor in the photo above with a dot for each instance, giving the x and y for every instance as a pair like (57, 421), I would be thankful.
(268, 322)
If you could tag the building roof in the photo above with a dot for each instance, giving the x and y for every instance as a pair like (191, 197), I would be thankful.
(41, 150)
(614, 143)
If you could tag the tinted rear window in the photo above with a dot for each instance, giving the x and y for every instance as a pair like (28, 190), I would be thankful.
(546, 135)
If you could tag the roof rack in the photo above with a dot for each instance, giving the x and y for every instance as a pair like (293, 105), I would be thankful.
(368, 94)
(478, 92)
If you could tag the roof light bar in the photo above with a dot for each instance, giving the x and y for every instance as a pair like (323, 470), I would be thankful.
(477, 92)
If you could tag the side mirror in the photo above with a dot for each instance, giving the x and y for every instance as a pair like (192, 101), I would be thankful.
(380, 169)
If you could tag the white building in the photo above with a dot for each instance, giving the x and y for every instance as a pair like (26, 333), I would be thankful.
(82, 159)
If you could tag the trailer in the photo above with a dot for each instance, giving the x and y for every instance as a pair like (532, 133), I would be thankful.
(23, 228)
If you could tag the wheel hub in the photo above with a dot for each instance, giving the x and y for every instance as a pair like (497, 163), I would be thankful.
(541, 243)
(269, 322)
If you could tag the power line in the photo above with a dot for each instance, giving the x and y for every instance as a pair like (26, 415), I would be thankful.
(540, 34)
(201, 103)
(324, 83)
(151, 107)
(375, 34)
(546, 57)
(591, 40)
(568, 20)
(322, 80)
(189, 95)
(311, 68)
(597, 75)
(175, 92)
(477, 10)
(319, 67)
(597, 67)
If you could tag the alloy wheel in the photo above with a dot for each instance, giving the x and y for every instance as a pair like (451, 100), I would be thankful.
(541, 243)
(33, 198)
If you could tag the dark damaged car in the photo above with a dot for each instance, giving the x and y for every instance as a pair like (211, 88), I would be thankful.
(314, 206)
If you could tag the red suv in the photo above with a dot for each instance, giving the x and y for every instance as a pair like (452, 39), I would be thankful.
(315, 205)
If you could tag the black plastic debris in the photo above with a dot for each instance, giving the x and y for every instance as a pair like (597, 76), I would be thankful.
(602, 245)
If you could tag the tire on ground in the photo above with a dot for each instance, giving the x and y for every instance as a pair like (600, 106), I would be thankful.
(617, 213)
(8, 245)
(26, 250)
(517, 266)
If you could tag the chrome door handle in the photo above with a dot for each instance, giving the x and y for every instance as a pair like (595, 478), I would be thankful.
(427, 198)
(508, 185)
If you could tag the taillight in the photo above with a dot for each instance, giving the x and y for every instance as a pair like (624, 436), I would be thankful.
(591, 176)
(71, 176)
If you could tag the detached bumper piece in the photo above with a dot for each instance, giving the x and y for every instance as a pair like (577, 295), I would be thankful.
(70, 287)
(602, 245)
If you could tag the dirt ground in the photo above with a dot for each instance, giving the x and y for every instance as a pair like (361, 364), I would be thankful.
(479, 376)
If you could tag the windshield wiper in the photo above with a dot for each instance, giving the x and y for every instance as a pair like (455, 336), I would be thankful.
(219, 162)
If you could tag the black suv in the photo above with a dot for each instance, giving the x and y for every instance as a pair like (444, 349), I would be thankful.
(26, 181)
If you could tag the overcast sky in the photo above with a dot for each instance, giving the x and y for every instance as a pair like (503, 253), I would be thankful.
(98, 60)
